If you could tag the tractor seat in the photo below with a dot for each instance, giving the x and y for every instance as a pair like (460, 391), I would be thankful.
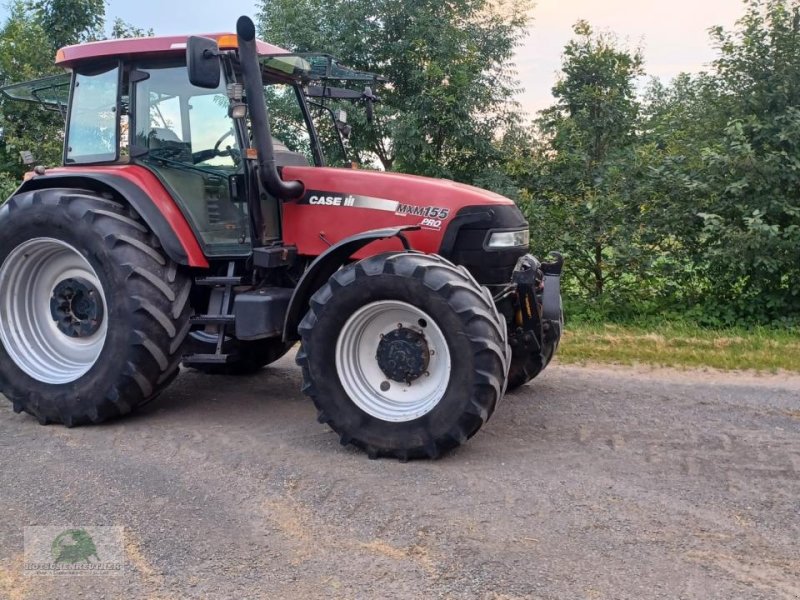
(165, 138)
(285, 157)
(158, 135)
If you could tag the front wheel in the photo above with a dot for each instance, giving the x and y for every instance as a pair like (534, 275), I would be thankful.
(527, 364)
(404, 355)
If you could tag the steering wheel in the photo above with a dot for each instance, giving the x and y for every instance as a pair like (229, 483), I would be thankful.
(228, 150)
(203, 155)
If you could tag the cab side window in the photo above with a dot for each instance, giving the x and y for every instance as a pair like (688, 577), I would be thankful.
(92, 134)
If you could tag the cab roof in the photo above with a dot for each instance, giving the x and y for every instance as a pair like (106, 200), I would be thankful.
(70, 56)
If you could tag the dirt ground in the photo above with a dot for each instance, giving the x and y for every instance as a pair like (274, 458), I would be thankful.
(588, 483)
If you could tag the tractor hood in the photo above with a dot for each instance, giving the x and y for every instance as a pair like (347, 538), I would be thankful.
(338, 203)
(399, 187)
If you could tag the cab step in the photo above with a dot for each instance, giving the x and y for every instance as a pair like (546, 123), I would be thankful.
(212, 319)
(209, 359)
(218, 281)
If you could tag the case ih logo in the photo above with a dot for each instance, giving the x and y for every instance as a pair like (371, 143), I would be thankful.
(332, 200)
(432, 216)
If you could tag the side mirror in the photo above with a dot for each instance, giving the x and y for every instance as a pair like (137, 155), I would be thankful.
(202, 62)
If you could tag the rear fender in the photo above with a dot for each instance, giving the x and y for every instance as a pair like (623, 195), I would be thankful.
(325, 265)
(152, 202)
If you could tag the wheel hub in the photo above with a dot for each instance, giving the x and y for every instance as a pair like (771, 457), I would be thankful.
(382, 368)
(403, 355)
(76, 308)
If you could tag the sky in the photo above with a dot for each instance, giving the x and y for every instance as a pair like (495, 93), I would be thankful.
(672, 33)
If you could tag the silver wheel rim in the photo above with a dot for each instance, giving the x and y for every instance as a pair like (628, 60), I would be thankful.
(28, 332)
(364, 381)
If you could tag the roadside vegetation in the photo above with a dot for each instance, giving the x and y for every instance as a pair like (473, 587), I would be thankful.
(681, 345)
(677, 208)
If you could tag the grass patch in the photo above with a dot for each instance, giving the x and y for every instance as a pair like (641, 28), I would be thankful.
(680, 345)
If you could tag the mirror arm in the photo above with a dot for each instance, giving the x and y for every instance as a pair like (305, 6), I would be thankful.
(335, 126)
(318, 91)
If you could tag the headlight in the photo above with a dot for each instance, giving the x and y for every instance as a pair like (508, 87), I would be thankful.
(509, 239)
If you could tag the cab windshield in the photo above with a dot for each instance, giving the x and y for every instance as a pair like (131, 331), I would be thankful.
(319, 76)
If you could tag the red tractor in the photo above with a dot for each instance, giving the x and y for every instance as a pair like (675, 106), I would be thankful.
(188, 225)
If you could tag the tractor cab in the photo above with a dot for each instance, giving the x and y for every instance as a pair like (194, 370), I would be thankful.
(139, 102)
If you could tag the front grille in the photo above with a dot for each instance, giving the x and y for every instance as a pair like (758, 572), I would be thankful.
(464, 242)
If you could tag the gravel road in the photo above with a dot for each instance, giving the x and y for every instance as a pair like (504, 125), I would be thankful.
(588, 483)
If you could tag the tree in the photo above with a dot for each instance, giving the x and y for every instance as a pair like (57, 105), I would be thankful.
(68, 21)
(752, 170)
(122, 29)
(449, 70)
(26, 54)
(579, 185)
(687, 199)
(724, 169)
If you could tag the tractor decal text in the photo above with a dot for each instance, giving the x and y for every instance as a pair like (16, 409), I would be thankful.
(432, 216)
(432, 212)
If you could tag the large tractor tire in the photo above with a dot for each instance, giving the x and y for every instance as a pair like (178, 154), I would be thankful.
(250, 356)
(404, 355)
(93, 314)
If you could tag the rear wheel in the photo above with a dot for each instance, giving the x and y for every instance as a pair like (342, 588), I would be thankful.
(92, 312)
(404, 355)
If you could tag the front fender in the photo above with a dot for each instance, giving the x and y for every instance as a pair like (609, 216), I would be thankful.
(325, 265)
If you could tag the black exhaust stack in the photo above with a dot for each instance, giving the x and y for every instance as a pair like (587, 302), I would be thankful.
(259, 118)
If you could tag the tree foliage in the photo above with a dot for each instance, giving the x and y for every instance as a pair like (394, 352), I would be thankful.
(122, 29)
(751, 182)
(26, 52)
(686, 200)
(583, 171)
(68, 22)
(449, 67)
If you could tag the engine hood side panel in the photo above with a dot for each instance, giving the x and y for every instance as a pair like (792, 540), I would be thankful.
(338, 203)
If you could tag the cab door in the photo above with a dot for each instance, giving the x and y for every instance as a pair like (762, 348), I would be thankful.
(185, 136)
